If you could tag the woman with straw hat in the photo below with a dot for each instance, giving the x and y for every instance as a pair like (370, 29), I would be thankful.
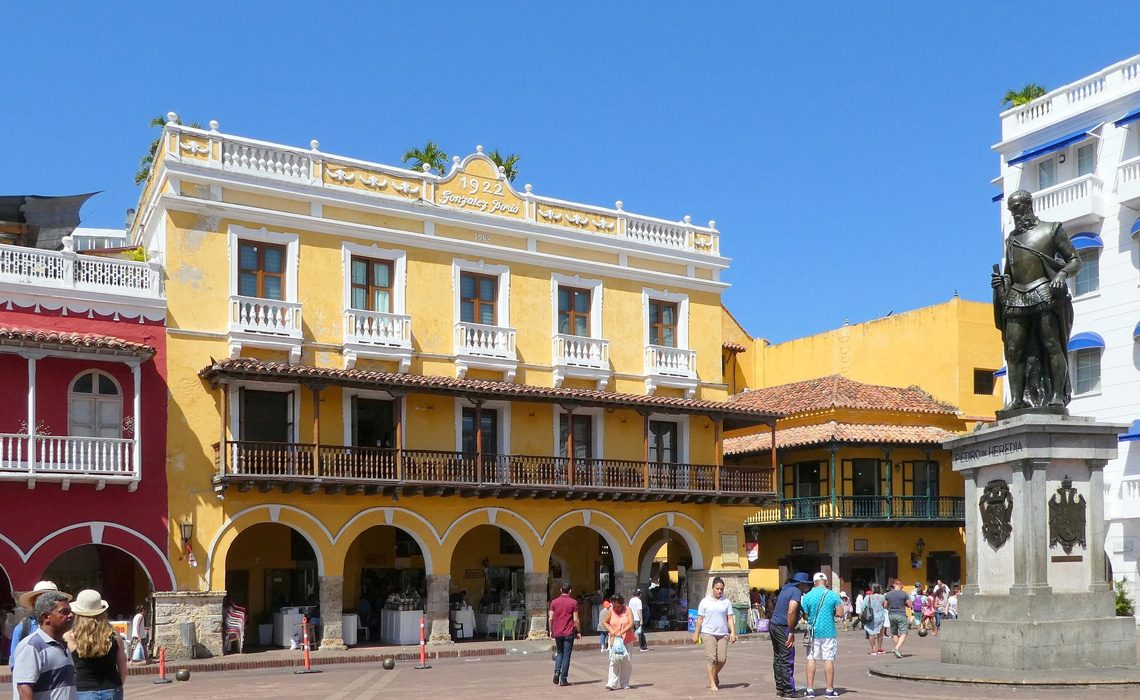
(100, 659)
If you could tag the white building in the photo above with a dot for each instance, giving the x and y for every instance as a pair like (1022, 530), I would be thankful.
(1077, 149)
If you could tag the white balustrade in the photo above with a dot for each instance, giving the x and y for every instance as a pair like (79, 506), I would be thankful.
(261, 158)
(676, 362)
(578, 351)
(69, 270)
(481, 339)
(377, 328)
(1084, 90)
(658, 233)
(1128, 181)
(1066, 101)
(255, 315)
(68, 455)
(1071, 200)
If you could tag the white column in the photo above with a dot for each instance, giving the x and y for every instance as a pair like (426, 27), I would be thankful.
(136, 407)
(31, 358)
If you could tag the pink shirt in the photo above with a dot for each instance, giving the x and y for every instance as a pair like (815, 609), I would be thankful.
(562, 611)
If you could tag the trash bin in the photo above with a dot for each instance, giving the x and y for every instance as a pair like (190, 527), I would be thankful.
(740, 612)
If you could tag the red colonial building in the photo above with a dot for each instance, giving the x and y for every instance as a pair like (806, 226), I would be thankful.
(82, 420)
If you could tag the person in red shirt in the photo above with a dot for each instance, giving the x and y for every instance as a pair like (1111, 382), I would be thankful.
(565, 628)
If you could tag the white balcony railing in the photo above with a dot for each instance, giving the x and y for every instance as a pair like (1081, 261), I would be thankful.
(1128, 181)
(377, 328)
(69, 270)
(267, 316)
(1073, 200)
(577, 351)
(1122, 500)
(67, 456)
(672, 362)
(483, 340)
(265, 158)
(1083, 95)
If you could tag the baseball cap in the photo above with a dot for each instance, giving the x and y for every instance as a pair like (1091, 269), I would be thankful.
(819, 576)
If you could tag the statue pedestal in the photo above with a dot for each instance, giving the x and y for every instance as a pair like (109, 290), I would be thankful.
(1036, 598)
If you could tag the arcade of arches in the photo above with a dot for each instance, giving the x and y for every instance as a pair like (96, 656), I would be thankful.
(464, 563)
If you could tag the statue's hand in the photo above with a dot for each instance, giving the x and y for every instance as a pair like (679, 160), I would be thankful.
(997, 281)
(1059, 281)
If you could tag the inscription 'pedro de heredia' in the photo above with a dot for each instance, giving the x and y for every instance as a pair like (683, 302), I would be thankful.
(996, 505)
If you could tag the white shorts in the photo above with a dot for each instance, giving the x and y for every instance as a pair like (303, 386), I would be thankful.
(823, 649)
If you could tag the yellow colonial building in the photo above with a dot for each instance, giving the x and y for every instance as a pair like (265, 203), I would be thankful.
(865, 489)
(392, 390)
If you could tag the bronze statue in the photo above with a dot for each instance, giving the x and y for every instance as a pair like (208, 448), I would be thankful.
(1033, 309)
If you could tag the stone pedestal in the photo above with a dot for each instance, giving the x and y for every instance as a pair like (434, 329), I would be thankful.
(1036, 597)
(735, 586)
(537, 605)
(202, 609)
(625, 583)
(332, 607)
(697, 586)
(437, 610)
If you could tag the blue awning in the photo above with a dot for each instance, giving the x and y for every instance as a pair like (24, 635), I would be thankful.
(1136, 332)
(1054, 145)
(1086, 239)
(1000, 373)
(1135, 228)
(998, 197)
(1130, 117)
(1133, 432)
(1085, 341)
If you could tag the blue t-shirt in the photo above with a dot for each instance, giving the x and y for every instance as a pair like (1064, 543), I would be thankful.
(24, 629)
(817, 598)
(790, 592)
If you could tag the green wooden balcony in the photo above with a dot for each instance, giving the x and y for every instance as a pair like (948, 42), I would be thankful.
(860, 509)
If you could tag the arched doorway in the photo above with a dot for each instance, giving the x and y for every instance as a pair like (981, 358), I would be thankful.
(385, 575)
(118, 577)
(664, 562)
(271, 571)
(488, 572)
(585, 558)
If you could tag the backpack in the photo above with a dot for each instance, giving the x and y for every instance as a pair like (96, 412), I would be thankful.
(868, 615)
(917, 605)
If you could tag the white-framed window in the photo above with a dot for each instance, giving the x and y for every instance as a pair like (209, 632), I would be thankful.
(482, 292)
(263, 263)
(668, 439)
(1086, 159)
(495, 417)
(1086, 371)
(264, 412)
(95, 406)
(589, 433)
(577, 305)
(665, 318)
(1046, 173)
(370, 418)
(1087, 280)
(375, 279)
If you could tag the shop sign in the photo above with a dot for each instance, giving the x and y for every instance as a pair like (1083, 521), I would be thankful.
(752, 550)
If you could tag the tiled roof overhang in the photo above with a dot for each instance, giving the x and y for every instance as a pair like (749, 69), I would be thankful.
(74, 342)
(240, 368)
(841, 433)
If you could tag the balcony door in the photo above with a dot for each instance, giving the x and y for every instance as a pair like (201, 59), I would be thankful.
(665, 453)
(863, 483)
(489, 427)
(371, 284)
(920, 481)
(95, 407)
(803, 484)
(266, 416)
(261, 270)
(477, 297)
(373, 422)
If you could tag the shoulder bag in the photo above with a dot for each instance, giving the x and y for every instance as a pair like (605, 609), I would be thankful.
(809, 636)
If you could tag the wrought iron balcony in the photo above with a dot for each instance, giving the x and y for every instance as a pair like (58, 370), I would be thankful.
(245, 465)
(946, 509)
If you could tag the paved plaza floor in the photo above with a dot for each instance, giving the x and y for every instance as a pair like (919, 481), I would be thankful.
(675, 671)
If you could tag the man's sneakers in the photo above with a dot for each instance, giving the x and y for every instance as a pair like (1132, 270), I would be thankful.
(809, 693)
(831, 693)
(897, 653)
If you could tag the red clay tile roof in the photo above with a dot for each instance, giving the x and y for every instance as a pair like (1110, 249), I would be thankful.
(733, 347)
(249, 368)
(840, 392)
(105, 344)
(832, 431)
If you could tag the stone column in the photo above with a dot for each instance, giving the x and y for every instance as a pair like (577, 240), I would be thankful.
(537, 605)
(696, 586)
(970, 491)
(332, 607)
(1037, 505)
(202, 610)
(1096, 526)
(436, 609)
(625, 583)
(1019, 489)
(735, 585)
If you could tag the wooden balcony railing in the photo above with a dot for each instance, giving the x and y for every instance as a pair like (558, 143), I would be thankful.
(862, 508)
(300, 462)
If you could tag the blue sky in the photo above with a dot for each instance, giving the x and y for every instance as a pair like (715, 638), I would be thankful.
(842, 148)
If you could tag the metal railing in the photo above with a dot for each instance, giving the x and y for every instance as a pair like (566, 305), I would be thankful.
(862, 508)
(302, 461)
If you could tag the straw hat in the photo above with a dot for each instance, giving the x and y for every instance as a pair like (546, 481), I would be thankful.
(28, 600)
(89, 604)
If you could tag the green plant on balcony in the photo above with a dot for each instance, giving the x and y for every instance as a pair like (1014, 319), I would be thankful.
(1124, 604)
(1016, 98)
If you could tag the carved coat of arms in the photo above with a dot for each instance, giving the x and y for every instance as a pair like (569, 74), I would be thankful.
(996, 505)
(1067, 517)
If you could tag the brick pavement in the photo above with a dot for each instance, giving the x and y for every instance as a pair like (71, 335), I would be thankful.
(669, 671)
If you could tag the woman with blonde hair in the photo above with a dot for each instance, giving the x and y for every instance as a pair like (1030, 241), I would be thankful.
(100, 659)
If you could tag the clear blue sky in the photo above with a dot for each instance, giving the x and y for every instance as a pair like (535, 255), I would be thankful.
(843, 148)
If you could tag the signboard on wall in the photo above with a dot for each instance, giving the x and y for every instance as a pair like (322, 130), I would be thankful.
(729, 548)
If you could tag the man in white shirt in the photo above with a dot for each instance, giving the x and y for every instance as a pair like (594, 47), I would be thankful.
(638, 611)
